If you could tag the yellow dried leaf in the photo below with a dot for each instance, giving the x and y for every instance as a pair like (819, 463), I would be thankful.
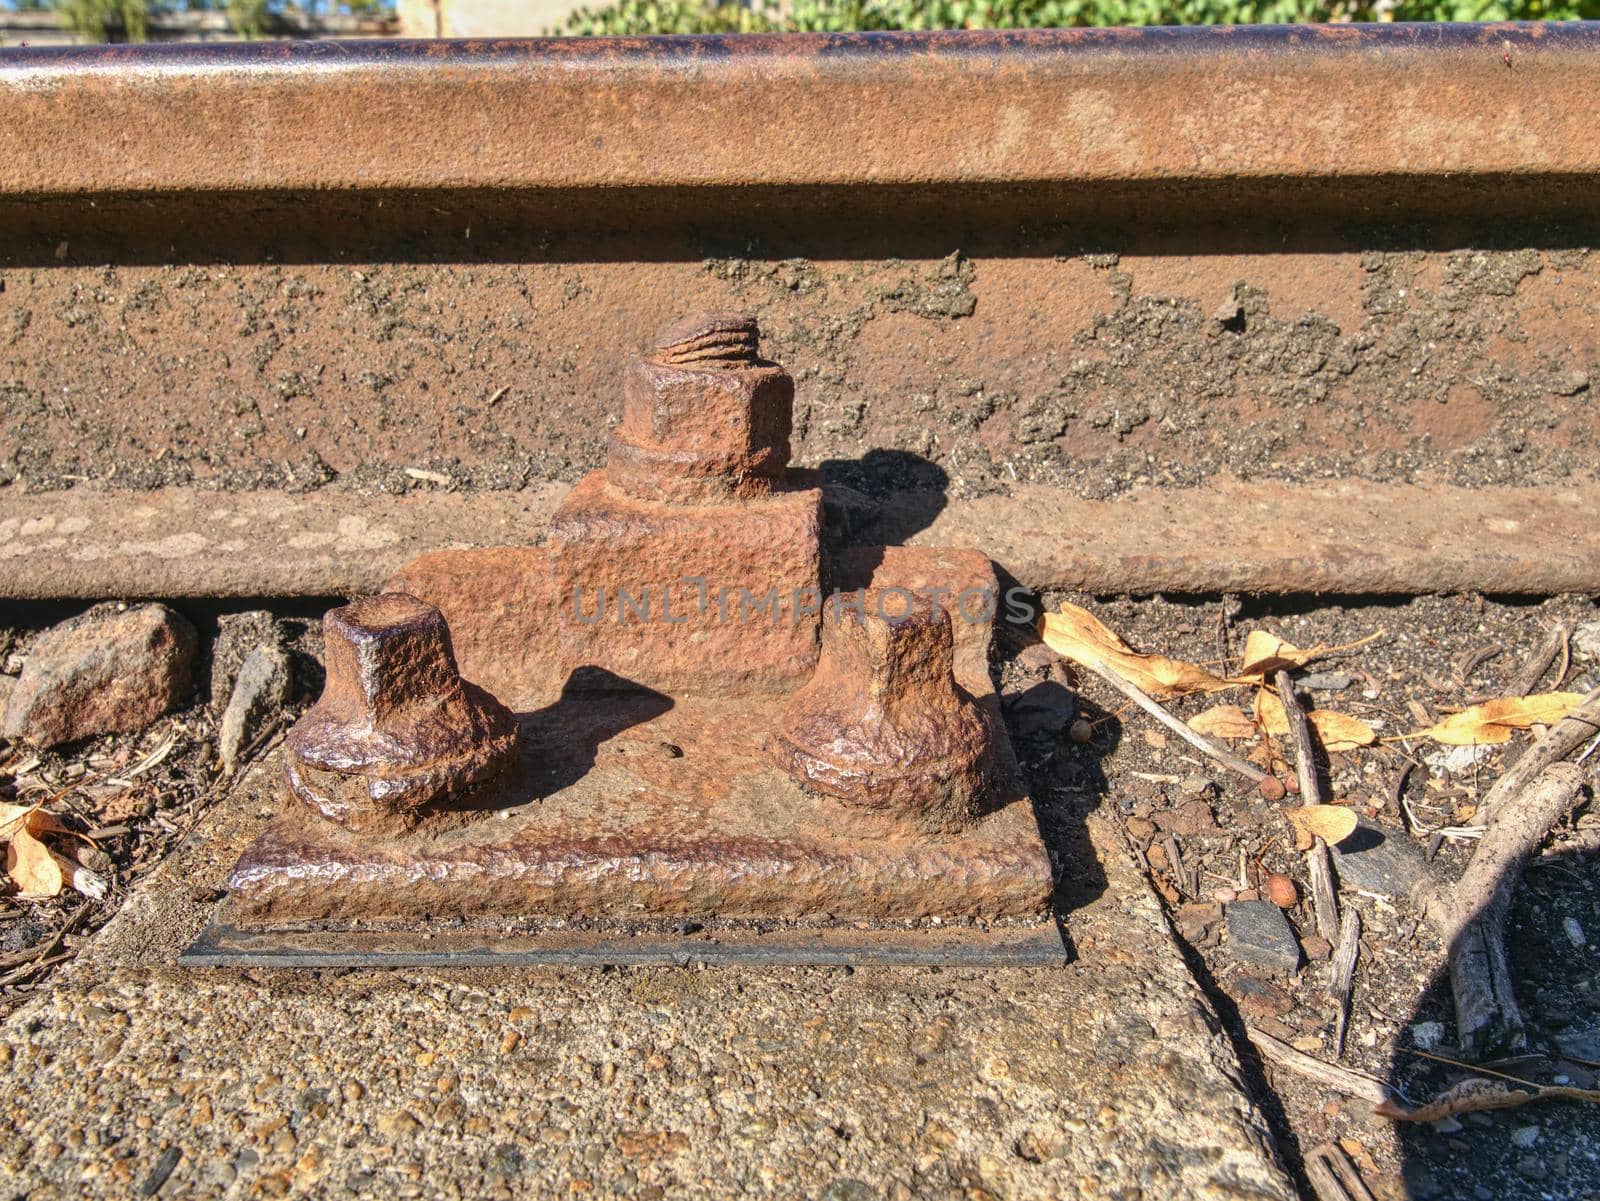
(14, 817)
(1492, 721)
(1336, 731)
(1331, 823)
(1224, 721)
(1079, 636)
(1266, 654)
(31, 866)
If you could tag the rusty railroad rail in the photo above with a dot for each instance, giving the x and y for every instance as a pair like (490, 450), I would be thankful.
(235, 272)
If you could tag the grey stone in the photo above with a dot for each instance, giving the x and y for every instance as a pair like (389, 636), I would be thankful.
(1580, 1043)
(237, 635)
(263, 686)
(107, 671)
(1380, 861)
(1586, 640)
(1258, 933)
(1326, 681)
(1045, 708)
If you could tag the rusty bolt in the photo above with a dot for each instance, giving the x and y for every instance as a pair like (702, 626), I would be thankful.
(396, 730)
(704, 417)
(883, 724)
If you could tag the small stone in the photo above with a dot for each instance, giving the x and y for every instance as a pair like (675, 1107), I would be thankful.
(1141, 829)
(1449, 1124)
(1197, 921)
(1080, 731)
(1259, 934)
(1586, 640)
(1425, 1036)
(1373, 860)
(1258, 998)
(1190, 819)
(1316, 947)
(1525, 1136)
(1327, 681)
(107, 671)
(1530, 1168)
(1574, 932)
(1455, 760)
(262, 687)
(238, 634)
(1580, 1043)
(1271, 788)
(1309, 1043)
(1045, 708)
(1570, 383)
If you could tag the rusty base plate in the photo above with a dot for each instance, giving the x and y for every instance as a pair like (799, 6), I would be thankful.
(631, 807)
(1020, 944)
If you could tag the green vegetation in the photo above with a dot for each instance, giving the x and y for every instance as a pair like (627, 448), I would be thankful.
(129, 20)
(834, 16)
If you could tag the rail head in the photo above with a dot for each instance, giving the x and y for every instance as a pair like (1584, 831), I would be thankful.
(1075, 109)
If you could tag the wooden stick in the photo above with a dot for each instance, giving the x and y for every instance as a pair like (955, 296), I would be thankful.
(1538, 663)
(1195, 739)
(1304, 747)
(1471, 914)
(1324, 901)
(1341, 979)
(1333, 1177)
(1559, 741)
(1345, 1080)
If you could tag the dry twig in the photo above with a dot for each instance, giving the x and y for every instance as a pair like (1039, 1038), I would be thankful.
(1344, 1080)
(1538, 663)
(1341, 979)
(1471, 914)
(1199, 741)
(1333, 1177)
(1304, 747)
(1324, 901)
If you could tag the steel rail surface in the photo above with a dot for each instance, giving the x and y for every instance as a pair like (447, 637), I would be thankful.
(1391, 103)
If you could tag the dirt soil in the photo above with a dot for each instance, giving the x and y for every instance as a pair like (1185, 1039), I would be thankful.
(1095, 365)
(1153, 786)
(1159, 785)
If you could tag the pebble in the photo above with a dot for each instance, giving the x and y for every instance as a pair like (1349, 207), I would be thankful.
(1045, 708)
(1080, 731)
(1377, 861)
(1586, 640)
(1574, 932)
(1281, 891)
(1425, 1036)
(106, 671)
(1258, 933)
(1316, 947)
(1525, 1136)
(1530, 1168)
(1327, 681)
(263, 685)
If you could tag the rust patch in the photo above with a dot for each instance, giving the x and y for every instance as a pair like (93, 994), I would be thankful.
(882, 724)
(396, 731)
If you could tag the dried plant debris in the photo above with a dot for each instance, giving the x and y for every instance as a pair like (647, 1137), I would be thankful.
(1453, 673)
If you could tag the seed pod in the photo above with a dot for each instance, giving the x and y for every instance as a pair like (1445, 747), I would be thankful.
(1281, 891)
(1271, 788)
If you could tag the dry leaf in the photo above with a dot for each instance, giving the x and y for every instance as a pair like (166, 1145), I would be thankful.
(1471, 1096)
(1266, 654)
(1078, 635)
(1331, 823)
(1336, 731)
(1224, 721)
(30, 864)
(1492, 721)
